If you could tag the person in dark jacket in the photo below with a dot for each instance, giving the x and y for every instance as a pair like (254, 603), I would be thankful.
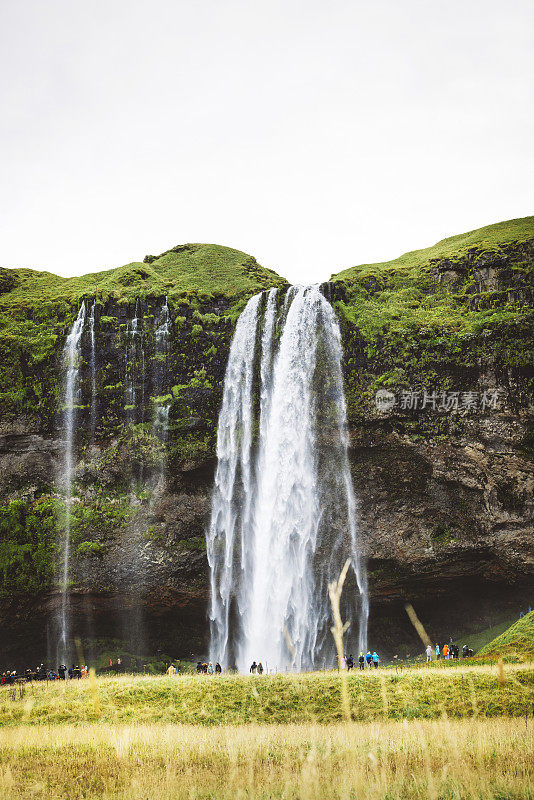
(361, 661)
(253, 667)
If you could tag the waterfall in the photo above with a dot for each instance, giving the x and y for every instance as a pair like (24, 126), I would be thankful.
(289, 494)
(162, 336)
(71, 389)
(93, 369)
(233, 483)
(134, 353)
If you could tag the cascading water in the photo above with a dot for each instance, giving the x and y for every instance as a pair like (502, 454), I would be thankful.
(233, 480)
(93, 369)
(162, 338)
(283, 512)
(135, 362)
(71, 388)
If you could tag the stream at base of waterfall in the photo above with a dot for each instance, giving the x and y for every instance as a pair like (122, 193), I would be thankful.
(284, 513)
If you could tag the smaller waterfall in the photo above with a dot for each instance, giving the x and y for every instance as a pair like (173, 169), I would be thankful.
(93, 369)
(71, 389)
(161, 377)
(134, 356)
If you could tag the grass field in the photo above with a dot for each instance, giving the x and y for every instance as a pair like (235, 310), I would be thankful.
(383, 761)
(438, 732)
(425, 693)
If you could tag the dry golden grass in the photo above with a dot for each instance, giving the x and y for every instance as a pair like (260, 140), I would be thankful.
(476, 758)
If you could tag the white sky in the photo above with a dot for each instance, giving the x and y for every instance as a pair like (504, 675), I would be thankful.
(313, 135)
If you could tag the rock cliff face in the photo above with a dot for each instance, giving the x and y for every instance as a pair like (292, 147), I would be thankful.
(442, 468)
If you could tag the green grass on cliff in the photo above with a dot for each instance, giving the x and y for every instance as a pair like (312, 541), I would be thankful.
(37, 309)
(204, 269)
(515, 642)
(435, 318)
(426, 693)
(491, 239)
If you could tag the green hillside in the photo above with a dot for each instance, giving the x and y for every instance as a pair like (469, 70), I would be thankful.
(490, 239)
(205, 269)
(480, 638)
(38, 308)
(432, 317)
(313, 697)
(517, 641)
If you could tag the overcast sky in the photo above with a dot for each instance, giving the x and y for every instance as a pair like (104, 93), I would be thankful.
(313, 135)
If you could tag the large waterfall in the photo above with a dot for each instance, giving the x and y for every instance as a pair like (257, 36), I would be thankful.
(283, 510)
(71, 364)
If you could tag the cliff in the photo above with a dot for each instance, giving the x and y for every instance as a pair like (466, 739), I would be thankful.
(445, 490)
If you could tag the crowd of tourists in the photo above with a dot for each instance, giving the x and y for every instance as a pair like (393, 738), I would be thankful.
(207, 668)
(447, 651)
(40, 673)
(369, 660)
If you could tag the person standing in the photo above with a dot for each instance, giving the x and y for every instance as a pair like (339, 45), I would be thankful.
(253, 667)
(438, 651)
(369, 659)
(375, 659)
(446, 652)
(361, 661)
(428, 653)
(218, 668)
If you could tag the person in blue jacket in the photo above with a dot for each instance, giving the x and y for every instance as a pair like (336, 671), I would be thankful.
(369, 659)
(375, 659)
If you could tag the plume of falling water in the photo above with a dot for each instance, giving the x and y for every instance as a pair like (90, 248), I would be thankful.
(71, 388)
(134, 355)
(291, 495)
(161, 379)
(93, 369)
(233, 477)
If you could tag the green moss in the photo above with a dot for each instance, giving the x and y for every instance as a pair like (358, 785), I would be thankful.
(197, 543)
(28, 550)
(89, 549)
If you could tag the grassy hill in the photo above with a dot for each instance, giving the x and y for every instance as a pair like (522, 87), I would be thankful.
(516, 642)
(490, 239)
(38, 308)
(432, 317)
(205, 269)
(294, 698)
(479, 638)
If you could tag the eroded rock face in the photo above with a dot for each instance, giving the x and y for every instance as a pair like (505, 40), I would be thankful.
(445, 496)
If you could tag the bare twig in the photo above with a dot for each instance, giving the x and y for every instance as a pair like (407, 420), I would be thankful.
(338, 629)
